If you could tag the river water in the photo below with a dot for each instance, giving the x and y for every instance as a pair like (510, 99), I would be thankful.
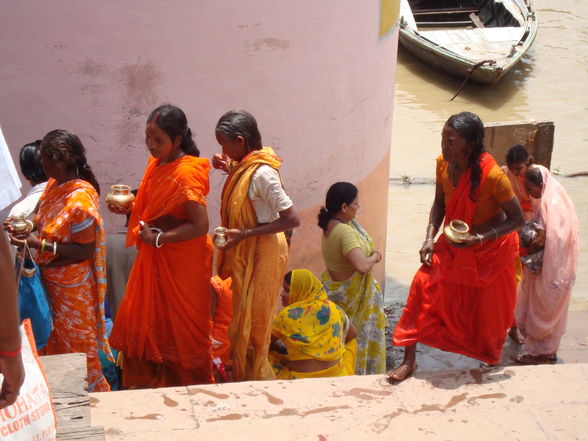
(550, 83)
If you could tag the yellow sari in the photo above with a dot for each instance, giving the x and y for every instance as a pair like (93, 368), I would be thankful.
(312, 327)
(256, 266)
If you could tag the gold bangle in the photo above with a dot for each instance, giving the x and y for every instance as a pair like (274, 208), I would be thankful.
(43, 244)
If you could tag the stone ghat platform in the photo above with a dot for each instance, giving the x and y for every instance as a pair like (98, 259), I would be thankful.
(548, 402)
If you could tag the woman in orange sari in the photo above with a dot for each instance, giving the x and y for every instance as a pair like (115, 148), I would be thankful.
(71, 245)
(257, 211)
(462, 299)
(518, 161)
(162, 326)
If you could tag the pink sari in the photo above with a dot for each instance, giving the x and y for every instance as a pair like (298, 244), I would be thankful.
(543, 298)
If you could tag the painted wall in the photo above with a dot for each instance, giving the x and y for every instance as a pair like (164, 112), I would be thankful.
(318, 76)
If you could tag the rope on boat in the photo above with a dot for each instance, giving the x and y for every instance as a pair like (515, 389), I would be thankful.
(469, 74)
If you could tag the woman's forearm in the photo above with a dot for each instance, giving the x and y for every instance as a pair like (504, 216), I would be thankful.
(278, 226)
(9, 332)
(288, 220)
(435, 220)
(182, 233)
(67, 252)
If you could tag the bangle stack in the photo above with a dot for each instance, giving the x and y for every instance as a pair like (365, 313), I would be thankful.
(54, 248)
(479, 237)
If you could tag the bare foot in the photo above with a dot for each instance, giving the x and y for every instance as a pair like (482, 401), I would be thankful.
(529, 359)
(402, 372)
(517, 336)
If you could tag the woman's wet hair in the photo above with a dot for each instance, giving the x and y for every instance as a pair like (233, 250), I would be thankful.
(471, 128)
(338, 194)
(65, 147)
(534, 176)
(240, 123)
(30, 162)
(288, 278)
(517, 154)
(172, 120)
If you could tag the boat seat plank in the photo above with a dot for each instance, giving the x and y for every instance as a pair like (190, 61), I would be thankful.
(476, 20)
(444, 11)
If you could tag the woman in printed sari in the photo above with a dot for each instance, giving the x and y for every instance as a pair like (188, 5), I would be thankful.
(70, 242)
(544, 296)
(162, 326)
(349, 255)
(462, 299)
(311, 336)
(256, 211)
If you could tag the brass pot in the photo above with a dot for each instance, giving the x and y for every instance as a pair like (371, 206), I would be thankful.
(20, 225)
(457, 231)
(120, 196)
(219, 236)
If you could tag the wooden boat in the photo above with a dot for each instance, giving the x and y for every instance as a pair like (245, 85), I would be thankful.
(482, 39)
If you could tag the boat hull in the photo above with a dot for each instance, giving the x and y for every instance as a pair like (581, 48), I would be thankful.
(457, 65)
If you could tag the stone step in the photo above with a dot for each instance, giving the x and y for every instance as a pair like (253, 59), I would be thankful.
(535, 403)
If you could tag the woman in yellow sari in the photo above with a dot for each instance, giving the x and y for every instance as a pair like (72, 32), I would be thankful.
(256, 212)
(312, 336)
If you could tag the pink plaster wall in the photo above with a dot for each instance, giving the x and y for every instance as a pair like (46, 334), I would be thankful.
(315, 74)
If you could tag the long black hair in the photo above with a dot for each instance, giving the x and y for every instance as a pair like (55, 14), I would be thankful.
(471, 128)
(240, 123)
(172, 120)
(338, 194)
(65, 147)
(30, 162)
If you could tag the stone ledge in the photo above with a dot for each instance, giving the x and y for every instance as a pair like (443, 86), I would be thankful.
(525, 403)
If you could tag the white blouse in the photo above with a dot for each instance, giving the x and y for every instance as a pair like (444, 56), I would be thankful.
(29, 202)
(267, 194)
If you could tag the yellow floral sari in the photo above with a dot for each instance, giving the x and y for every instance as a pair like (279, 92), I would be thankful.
(312, 327)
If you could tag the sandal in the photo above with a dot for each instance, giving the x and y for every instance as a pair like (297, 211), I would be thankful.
(529, 359)
(401, 373)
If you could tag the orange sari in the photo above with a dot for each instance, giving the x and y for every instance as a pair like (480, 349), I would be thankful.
(162, 325)
(464, 302)
(68, 213)
(256, 266)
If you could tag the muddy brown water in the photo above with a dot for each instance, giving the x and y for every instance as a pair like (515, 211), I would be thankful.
(550, 83)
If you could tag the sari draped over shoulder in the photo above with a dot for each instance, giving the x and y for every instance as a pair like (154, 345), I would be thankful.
(162, 325)
(256, 266)
(68, 213)
(463, 302)
(311, 327)
(543, 298)
(362, 299)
